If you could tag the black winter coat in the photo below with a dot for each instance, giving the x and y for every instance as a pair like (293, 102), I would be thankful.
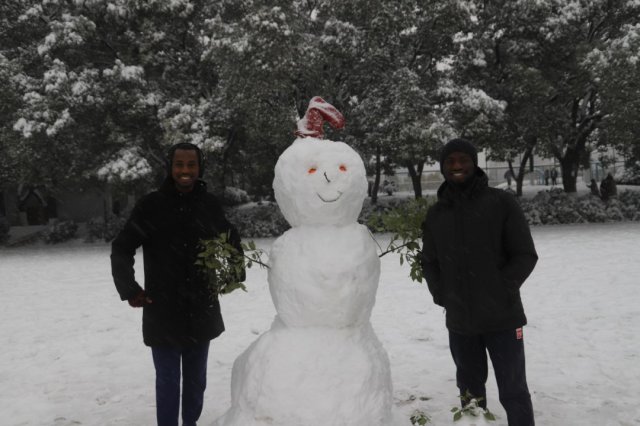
(169, 225)
(477, 252)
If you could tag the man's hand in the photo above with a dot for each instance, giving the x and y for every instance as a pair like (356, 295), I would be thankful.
(139, 300)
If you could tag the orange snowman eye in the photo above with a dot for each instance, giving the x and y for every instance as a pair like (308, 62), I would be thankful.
(343, 168)
(312, 170)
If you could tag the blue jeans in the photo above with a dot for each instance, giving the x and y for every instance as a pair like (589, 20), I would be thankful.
(167, 360)
(506, 349)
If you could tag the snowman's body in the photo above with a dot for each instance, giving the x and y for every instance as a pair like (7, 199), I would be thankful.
(324, 276)
(321, 362)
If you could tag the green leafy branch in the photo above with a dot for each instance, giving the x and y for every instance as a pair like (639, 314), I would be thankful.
(419, 418)
(471, 408)
(224, 265)
(405, 224)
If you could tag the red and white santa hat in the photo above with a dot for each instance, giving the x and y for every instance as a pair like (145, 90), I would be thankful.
(317, 113)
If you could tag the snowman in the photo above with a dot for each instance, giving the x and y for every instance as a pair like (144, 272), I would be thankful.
(321, 362)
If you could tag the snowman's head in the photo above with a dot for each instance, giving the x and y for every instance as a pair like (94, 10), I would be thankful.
(320, 182)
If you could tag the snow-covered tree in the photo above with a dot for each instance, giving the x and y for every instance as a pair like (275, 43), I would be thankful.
(575, 32)
(9, 103)
(502, 105)
(99, 79)
(257, 49)
(616, 68)
(86, 84)
(394, 85)
(540, 56)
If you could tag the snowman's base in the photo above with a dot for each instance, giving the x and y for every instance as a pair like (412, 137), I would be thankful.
(311, 376)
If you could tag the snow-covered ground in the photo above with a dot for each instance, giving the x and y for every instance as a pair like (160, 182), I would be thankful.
(72, 353)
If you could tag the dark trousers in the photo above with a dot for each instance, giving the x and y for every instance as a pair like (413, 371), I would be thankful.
(167, 360)
(506, 349)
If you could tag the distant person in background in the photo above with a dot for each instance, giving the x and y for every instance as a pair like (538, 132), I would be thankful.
(508, 175)
(554, 176)
(389, 186)
(608, 188)
(613, 188)
(594, 188)
(546, 177)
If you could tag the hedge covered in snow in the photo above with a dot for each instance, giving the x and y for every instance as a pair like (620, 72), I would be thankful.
(557, 207)
(260, 220)
(264, 220)
(60, 232)
(546, 208)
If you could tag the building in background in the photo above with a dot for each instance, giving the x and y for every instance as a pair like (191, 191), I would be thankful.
(496, 172)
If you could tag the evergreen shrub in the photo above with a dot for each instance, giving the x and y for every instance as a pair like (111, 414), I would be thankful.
(373, 214)
(557, 207)
(234, 196)
(261, 220)
(265, 220)
(630, 202)
(99, 229)
(631, 175)
(60, 232)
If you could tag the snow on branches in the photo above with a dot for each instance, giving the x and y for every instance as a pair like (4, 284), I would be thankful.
(186, 122)
(128, 165)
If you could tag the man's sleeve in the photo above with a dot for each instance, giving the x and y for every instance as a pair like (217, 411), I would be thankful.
(430, 265)
(123, 250)
(518, 243)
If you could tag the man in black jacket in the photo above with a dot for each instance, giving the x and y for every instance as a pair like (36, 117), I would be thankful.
(477, 252)
(180, 313)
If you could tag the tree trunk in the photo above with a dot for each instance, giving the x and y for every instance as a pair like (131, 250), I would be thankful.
(108, 202)
(519, 178)
(376, 181)
(570, 161)
(569, 165)
(576, 144)
(415, 172)
(131, 201)
(225, 166)
(515, 178)
(532, 176)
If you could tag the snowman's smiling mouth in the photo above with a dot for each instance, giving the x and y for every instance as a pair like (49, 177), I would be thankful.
(330, 199)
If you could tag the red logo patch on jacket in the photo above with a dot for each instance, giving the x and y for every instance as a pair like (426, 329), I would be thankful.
(519, 333)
